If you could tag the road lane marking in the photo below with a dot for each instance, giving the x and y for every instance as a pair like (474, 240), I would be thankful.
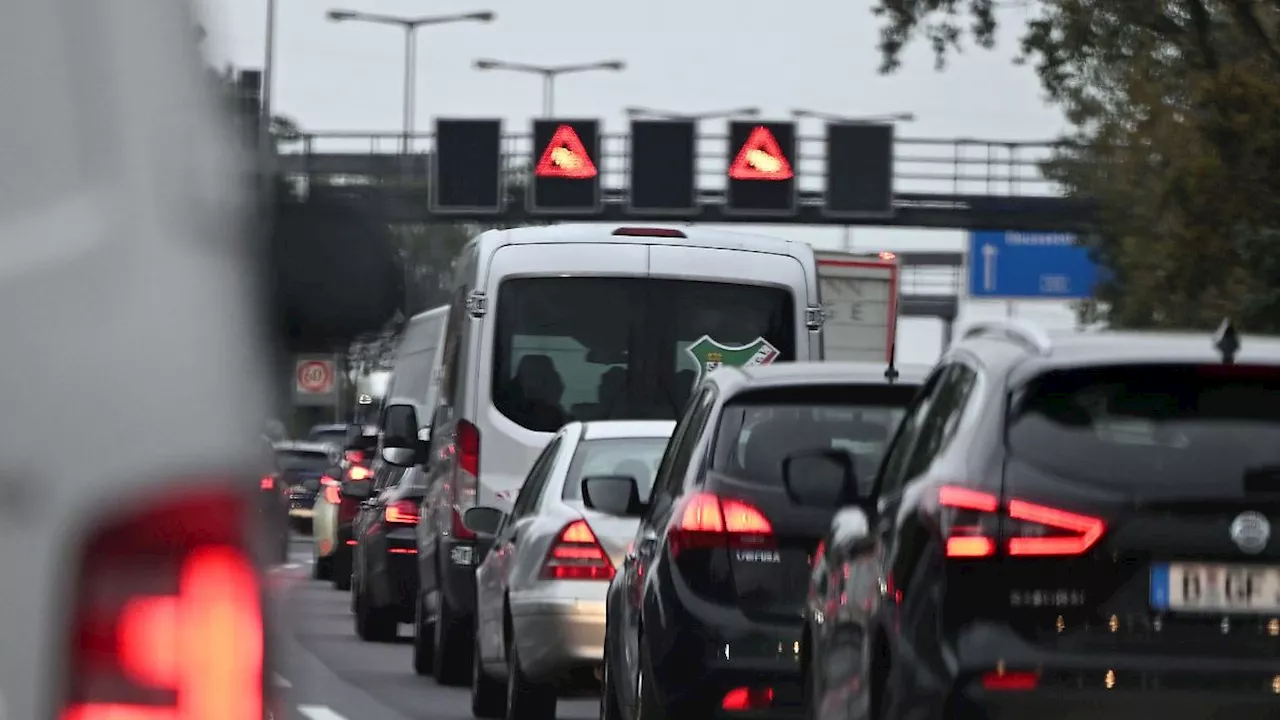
(319, 712)
(279, 681)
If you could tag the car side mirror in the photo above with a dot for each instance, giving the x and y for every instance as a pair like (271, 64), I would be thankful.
(483, 521)
(399, 426)
(358, 489)
(821, 477)
(613, 494)
(400, 456)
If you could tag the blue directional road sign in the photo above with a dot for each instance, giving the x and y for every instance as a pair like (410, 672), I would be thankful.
(1029, 265)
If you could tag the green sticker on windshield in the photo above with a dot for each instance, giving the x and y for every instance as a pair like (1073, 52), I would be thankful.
(710, 355)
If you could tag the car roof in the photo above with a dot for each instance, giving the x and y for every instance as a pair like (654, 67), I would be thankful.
(608, 429)
(695, 236)
(816, 373)
(306, 447)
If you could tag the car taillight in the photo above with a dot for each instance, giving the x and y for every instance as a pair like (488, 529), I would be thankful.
(705, 520)
(402, 512)
(1029, 529)
(354, 456)
(268, 482)
(466, 475)
(577, 555)
(167, 615)
(358, 473)
(332, 490)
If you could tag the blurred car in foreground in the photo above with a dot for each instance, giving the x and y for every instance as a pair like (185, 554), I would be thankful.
(302, 465)
(336, 508)
(706, 613)
(540, 591)
(1063, 528)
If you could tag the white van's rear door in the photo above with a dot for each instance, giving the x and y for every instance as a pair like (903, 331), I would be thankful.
(507, 450)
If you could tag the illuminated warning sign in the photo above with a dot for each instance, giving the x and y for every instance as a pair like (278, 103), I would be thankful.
(566, 157)
(761, 158)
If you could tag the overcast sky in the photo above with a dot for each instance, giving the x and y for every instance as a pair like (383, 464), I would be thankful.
(682, 55)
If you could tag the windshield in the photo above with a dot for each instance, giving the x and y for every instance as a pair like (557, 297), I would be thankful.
(304, 460)
(1179, 426)
(631, 348)
(629, 457)
(758, 431)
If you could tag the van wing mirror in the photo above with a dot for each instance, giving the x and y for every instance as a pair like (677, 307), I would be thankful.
(399, 426)
(820, 477)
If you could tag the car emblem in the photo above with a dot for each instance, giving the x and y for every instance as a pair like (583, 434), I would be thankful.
(1251, 531)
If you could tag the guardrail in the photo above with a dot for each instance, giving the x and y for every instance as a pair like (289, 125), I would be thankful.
(963, 166)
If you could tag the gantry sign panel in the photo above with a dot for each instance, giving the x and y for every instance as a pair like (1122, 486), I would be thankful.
(566, 171)
(466, 170)
(762, 162)
(663, 167)
(859, 161)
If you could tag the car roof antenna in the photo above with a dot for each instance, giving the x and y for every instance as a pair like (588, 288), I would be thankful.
(891, 372)
(1227, 341)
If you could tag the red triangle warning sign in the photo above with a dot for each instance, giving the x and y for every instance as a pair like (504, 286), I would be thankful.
(761, 159)
(566, 157)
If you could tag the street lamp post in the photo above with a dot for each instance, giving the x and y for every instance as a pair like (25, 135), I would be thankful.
(549, 73)
(746, 112)
(410, 27)
(838, 118)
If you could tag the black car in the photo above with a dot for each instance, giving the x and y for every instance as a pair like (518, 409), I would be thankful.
(1063, 528)
(384, 581)
(274, 501)
(302, 465)
(706, 613)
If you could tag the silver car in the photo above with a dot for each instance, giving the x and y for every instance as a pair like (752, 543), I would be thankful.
(540, 591)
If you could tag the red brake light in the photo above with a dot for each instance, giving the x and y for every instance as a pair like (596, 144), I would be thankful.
(268, 483)
(649, 232)
(577, 555)
(332, 490)
(469, 448)
(743, 698)
(167, 617)
(466, 475)
(1010, 681)
(358, 473)
(354, 456)
(1031, 529)
(707, 520)
(403, 512)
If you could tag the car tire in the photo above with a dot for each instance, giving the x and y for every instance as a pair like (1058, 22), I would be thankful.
(373, 624)
(647, 705)
(423, 639)
(488, 696)
(322, 568)
(341, 570)
(527, 700)
(451, 643)
(610, 708)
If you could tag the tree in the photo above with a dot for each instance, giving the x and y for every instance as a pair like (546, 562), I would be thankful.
(1175, 108)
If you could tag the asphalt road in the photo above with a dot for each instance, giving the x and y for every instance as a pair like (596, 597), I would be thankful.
(326, 673)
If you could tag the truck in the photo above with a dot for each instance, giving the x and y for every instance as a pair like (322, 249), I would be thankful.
(859, 295)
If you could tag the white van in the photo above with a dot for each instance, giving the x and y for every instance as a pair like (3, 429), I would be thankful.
(562, 323)
(414, 373)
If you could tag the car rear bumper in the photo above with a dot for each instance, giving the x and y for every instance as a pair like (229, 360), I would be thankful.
(559, 637)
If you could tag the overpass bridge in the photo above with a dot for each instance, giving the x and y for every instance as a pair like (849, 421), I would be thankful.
(936, 183)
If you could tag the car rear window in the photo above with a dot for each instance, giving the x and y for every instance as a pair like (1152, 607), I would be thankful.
(302, 460)
(636, 457)
(759, 430)
(336, 438)
(1178, 427)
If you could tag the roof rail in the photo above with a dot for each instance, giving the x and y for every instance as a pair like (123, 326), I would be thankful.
(1029, 336)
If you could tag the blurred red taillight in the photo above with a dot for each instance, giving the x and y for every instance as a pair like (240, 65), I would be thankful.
(332, 490)
(267, 483)
(167, 615)
(577, 555)
(358, 473)
(402, 512)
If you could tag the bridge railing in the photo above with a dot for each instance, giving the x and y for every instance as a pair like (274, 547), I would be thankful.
(921, 166)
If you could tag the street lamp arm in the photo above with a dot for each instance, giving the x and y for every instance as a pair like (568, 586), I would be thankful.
(585, 67)
(488, 64)
(454, 18)
(355, 16)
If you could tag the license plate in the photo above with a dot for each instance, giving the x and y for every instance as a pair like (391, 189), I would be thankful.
(461, 555)
(1216, 588)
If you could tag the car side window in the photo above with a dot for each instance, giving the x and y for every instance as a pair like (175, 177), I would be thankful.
(893, 470)
(675, 461)
(527, 500)
(940, 422)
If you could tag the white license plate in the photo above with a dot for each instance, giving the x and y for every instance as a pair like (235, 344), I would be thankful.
(1215, 588)
(461, 555)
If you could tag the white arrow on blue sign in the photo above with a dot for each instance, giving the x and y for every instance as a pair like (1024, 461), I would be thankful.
(1006, 265)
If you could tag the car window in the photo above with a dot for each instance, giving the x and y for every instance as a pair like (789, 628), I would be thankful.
(893, 470)
(527, 501)
(940, 422)
(632, 349)
(304, 461)
(679, 453)
(759, 430)
(1165, 428)
(628, 457)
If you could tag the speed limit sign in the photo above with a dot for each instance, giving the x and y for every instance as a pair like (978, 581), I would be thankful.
(315, 377)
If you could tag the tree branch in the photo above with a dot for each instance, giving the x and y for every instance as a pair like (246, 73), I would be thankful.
(1242, 10)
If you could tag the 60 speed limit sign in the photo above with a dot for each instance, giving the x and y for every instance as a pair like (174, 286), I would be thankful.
(315, 377)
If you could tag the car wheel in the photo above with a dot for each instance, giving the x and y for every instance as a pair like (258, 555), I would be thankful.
(341, 570)
(423, 639)
(527, 700)
(610, 709)
(488, 696)
(451, 665)
(373, 624)
(322, 568)
(647, 707)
